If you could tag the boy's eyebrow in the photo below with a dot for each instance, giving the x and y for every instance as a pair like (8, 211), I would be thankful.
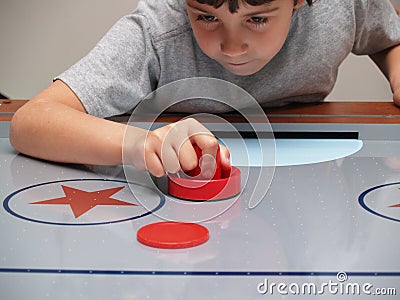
(262, 11)
(196, 8)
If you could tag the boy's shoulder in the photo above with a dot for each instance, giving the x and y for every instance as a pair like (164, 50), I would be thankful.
(164, 18)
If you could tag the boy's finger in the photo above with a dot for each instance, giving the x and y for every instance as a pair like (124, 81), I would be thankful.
(187, 156)
(208, 146)
(154, 165)
(170, 159)
(225, 157)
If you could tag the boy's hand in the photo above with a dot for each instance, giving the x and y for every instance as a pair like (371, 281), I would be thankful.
(170, 149)
(396, 91)
(396, 96)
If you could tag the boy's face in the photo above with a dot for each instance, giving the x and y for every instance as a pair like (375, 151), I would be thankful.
(245, 41)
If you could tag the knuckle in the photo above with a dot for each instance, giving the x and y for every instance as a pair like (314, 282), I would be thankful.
(189, 119)
(190, 165)
(212, 142)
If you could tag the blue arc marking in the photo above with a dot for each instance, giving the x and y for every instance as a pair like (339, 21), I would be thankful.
(361, 200)
(195, 273)
(10, 211)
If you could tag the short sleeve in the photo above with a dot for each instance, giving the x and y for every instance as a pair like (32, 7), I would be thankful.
(118, 72)
(377, 26)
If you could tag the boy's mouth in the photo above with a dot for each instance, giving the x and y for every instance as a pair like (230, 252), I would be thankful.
(237, 64)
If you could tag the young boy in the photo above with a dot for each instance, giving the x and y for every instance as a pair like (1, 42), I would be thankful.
(280, 51)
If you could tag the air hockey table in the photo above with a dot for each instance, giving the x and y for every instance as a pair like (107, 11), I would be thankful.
(327, 226)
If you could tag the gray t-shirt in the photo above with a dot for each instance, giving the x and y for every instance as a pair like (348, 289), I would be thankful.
(154, 45)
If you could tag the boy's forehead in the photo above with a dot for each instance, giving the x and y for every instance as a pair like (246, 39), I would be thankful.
(240, 2)
(232, 4)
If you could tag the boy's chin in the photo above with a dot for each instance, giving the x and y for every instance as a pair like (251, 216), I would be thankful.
(243, 73)
(242, 70)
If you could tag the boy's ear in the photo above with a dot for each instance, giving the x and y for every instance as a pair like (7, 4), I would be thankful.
(298, 4)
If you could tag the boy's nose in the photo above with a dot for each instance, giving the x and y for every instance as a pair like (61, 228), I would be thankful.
(233, 47)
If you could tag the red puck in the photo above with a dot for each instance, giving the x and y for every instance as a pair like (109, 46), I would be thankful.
(200, 190)
(172, 235)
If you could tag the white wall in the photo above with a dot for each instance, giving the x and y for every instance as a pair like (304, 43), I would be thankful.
(41, 38)
(360, 79)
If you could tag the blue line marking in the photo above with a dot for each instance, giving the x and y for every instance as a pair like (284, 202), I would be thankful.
(195, 273)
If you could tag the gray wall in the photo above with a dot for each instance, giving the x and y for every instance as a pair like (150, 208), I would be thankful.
(41, 38)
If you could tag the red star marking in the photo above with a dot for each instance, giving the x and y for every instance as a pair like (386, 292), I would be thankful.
(82, 201)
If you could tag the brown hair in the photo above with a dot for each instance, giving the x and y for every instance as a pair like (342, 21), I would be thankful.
(234, 4)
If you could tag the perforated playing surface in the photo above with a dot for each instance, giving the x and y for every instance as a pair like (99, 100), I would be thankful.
(69, 232)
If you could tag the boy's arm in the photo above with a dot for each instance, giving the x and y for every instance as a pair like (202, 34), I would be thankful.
(55, 126)
(389, 63)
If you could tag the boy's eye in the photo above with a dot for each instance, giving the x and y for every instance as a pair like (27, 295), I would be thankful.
(258, 20)
(207, 18)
